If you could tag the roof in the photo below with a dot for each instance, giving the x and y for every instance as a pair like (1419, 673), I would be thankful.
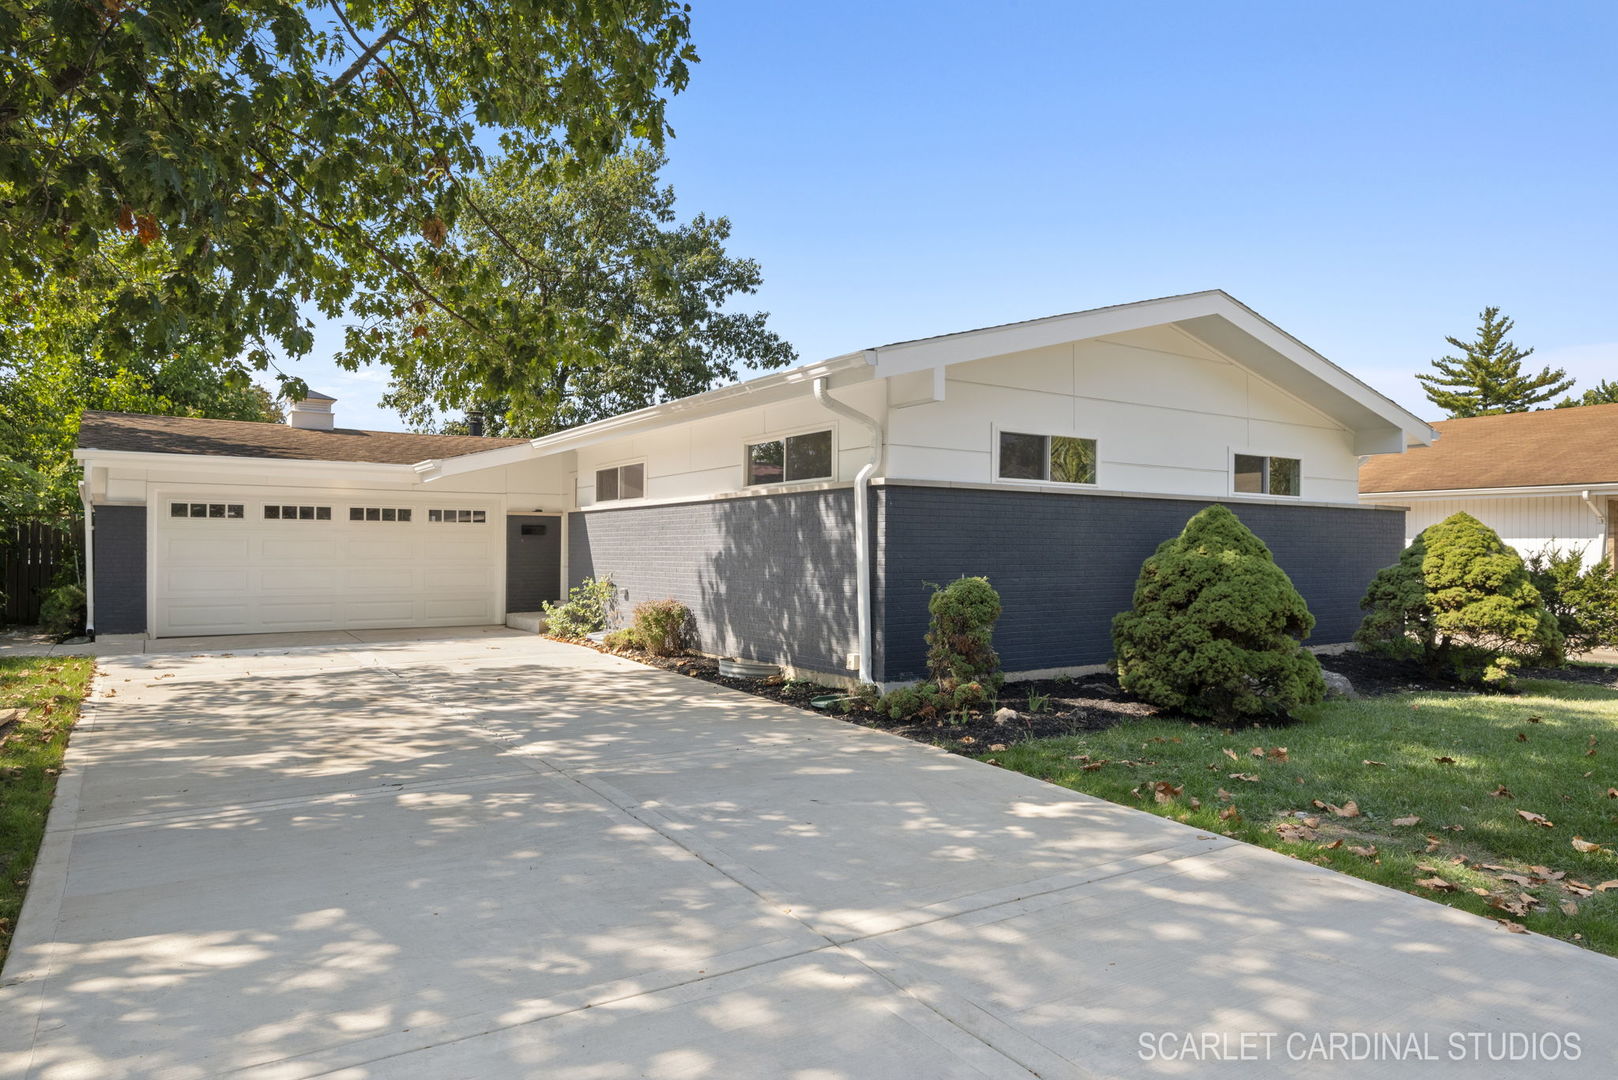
(140, 433)
(1549, 448)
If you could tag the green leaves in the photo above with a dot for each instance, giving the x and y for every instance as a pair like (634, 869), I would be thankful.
(1487, 377)
(285, 151)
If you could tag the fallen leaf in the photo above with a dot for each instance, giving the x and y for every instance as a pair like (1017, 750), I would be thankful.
(1548, 874)
(1251, 778)
(1433, 844)
(1436, 883)
(1165, 792)
(1453, 828)
(1378, 764)
(1411, 820)
(1607, 886)
(1317, 804)
(1194, 802)
(1612, 792)
(1568, 907)
(1444, 760)
(1225, 796)
(1277, 753)
(1230, 813)
(1257, 751)
(1577, 888)
(1334, 844)
(1585, 846)
(1536, 819)
(1592, 751)
(1231, 754)
(1312, 822)
(1521, 737)
(1092, 767)
(1480, 891)
(968, 740)
(1536, 720)
(1502, 792)
(1515, 928)
(1366, 852)
(1296, 833)
(1348, 809)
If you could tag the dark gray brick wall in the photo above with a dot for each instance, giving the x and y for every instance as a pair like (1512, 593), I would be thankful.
(768, 578)
(533, 562)
(1065, 564)
(120, 569)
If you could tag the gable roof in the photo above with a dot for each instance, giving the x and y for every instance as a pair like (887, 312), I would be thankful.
(1550, 448)
(144, 434)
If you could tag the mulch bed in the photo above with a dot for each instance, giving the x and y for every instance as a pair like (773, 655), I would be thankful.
(1072, 706)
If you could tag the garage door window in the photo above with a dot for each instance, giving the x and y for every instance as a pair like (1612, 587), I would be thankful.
(379, 513)
(458, 517)
(297, 513)
(206, 510)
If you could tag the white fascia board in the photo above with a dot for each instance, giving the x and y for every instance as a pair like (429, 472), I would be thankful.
(1250, 340)
(438, 468)
(221, 463)
(1542, 491)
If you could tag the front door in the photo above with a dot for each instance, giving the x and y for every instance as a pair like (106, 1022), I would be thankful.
(533, 561)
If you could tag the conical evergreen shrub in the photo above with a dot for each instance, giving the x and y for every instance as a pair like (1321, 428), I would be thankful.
(1216, 627)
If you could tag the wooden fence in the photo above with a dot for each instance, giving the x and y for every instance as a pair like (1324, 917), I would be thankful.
(33, 555)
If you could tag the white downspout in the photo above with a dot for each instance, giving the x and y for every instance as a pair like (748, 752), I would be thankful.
(862, 519)
(89, 557)
(1601, 517)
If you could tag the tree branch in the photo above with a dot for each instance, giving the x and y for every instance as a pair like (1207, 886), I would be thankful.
(370, 52)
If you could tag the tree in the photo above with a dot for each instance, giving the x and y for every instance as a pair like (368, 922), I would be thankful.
(624, 306)
(294, 154)
(1487, 378)
(1460, 601)
(1216, 626)
(1603, 393)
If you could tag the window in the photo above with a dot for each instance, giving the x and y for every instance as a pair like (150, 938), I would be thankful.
(458, 517)
(206, 510)
(1257, 475)
(1059, 459)
(621, 482)
(378, 513)
(297, 513)
(790, 460)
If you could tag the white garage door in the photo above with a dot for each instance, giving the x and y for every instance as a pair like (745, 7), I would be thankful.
(227, 565)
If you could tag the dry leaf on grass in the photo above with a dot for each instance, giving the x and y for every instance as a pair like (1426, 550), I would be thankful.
(1591, 752)
(1335, 844)
(1536, 819)
(1348, 809)
(1568, 907)
(1436, 883)
(1257, 751)
(1521, 737)
(1378, 764)
(1411, 820)
(1585, 846)
(1231, 754)
(997, 746)
(1453, 828)
(1296, 833)
(1612, 792)
(1230, 813)
(1536, 719)
(1225, 796)
(1433, 844)
(1165, 792)
(1277, 753)
(1515, 928)
(1365, 852)
(1607, 886)
(1251, 778)
(1444, 760)
(1502, 792)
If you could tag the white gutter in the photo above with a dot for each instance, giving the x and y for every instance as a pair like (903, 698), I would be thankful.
(89, 557)
(862, 519)
(1545, 491)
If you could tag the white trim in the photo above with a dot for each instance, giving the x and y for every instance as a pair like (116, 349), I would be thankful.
(624, 463)
(221, 462)
(995, 431)
(1264, 496)
(1544, 491)
(781, 437)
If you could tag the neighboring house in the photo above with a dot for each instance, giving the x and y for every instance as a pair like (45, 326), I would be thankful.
(803, 515)
(1539, 479)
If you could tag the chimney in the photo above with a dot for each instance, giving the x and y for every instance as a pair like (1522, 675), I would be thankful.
(474, 422)
(313, 412)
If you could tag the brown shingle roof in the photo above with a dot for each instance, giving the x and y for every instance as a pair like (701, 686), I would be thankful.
(239, 438)
(1534, 449)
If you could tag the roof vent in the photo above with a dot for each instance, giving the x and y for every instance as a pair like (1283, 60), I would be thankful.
(313, 412)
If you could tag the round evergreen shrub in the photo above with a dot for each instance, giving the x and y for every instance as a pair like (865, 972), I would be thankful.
(663, 627)
(960, 638)
(1216, 627)
(1460, 601)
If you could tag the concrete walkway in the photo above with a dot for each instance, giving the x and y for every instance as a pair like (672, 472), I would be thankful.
(495, 856)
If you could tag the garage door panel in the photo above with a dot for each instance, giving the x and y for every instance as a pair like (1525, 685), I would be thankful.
(249, 574)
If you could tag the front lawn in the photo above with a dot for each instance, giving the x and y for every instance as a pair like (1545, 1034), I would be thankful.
(1340, 788)
(39, 702)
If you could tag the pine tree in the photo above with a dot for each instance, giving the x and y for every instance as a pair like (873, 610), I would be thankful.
(1487, 378)
(1602, 393)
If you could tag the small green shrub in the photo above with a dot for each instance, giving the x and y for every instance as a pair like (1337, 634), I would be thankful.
(589, 603)
(1216, 626)
(63, 610)
(663, 627)
(960, 645)
(1460, 601)
(1583, 600)
(929, 700)
(623, 639)
(1037, 702)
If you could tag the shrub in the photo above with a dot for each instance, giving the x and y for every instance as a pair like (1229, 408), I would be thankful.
(622, 639)
(1583, 600)
(63, 610)
(588, 605)
(929, 700)
(960, 646)
(1460, 601)
(663, 627)
(1216, 626)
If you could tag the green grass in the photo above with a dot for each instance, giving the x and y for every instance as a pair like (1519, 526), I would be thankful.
(46, 692)
(1553, 773)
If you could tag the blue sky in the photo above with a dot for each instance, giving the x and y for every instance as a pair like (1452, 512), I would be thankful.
(1368, 176)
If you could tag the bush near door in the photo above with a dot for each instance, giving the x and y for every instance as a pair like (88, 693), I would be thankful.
(1583, 600)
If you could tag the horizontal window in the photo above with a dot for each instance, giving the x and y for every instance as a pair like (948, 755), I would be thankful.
(1057, 459)
(621, 482)
(297, 513)
(1256, 475)
(206, 510)
(791, 460)
(379, 513)
(458, 517)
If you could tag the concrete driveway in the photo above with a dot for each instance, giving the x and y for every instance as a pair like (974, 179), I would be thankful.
(495, 856)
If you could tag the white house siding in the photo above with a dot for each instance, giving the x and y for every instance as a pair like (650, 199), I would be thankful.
(1165, 411)
(1527, 523)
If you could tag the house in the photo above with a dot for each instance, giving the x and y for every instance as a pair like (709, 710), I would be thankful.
(802, 515)
(1541, 480)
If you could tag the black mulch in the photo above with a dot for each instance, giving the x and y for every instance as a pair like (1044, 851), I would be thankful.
(1073, 705)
